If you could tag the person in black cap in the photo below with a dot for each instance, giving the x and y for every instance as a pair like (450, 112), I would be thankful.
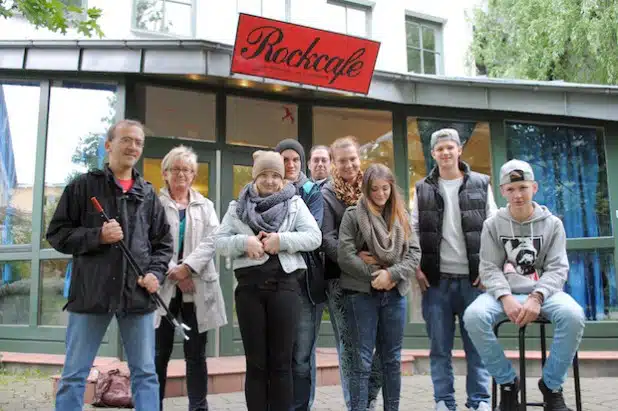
(312, 283)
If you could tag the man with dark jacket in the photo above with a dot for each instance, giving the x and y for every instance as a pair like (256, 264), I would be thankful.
(103, 285)
(448, 211)
(312, 285)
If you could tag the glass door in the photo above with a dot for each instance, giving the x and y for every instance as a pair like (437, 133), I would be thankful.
(236, 167)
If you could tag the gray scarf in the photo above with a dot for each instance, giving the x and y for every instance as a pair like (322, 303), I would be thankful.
(387, 247)
(264, 213)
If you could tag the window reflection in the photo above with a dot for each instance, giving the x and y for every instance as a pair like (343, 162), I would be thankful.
(260, 123)
(55, 282)
(372, 128)
(19, 112)
(75, 143)
(180, 113)
(592, 283)
(569, 164)
(15, 292)
(164, 16)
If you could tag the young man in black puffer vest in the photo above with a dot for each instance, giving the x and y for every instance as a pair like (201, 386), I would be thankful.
(448, 211)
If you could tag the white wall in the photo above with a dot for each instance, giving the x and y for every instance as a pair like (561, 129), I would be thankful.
(217, 20)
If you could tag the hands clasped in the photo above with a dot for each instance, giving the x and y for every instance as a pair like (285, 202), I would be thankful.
(263, 243)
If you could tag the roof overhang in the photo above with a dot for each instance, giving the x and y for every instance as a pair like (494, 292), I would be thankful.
(203, 58)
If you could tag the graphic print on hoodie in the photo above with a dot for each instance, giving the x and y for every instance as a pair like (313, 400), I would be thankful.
(521, 253)
(521, 257)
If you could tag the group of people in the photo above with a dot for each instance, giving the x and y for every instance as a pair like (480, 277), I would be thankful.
(341, 238)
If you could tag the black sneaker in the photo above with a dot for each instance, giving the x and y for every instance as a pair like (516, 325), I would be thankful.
(509, 396)
(554, 400)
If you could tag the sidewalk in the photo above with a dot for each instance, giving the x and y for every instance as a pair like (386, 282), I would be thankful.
(34, 393)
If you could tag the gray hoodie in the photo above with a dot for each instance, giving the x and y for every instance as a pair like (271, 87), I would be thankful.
(536, 249)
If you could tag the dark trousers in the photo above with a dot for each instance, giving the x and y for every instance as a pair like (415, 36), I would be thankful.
(195, 354)
(267, 317)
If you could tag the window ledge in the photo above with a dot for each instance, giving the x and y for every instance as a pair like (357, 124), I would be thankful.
(426, 17)
(160, 35)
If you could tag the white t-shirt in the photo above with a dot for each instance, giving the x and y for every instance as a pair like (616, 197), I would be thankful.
(453, 254)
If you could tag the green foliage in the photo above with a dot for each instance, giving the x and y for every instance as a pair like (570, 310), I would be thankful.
(570, 40)
(55, 15)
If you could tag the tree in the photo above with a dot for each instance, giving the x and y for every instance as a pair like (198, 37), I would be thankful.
(570, 40)
(55, 15)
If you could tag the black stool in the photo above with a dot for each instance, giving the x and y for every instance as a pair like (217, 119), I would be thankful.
(522, 368)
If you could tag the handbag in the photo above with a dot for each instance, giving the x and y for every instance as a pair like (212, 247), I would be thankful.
(113, 389)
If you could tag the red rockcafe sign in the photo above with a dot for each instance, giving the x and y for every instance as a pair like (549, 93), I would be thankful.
(284, 51)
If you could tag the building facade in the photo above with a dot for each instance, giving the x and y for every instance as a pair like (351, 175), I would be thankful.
(59, 97)
(415, 36)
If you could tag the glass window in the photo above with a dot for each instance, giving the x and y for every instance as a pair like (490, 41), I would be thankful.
(275, 9)
(180, 113)
(476, 142)
(75, 144)
(165, 16)
(19, 113)
(152, 173)
(55, 281)
(250, 7)
(569, 165)
(260, 123)
(15, 292)
(424, 45)
(348, 18)
(592, 283)
(372, 128)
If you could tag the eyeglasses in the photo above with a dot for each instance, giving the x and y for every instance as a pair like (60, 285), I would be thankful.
(129, 141)
(185, 171)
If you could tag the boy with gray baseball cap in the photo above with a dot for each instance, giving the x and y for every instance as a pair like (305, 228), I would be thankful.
(530, 238)
(448, 211)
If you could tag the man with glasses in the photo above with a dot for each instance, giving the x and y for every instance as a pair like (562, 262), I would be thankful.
(103, 285)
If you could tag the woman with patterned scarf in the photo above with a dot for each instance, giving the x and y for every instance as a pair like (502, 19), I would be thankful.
(341, 192)
(378, 253)
(264, 232)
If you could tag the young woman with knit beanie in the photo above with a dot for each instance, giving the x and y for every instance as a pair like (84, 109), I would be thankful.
(263, 232)
(341, 192)
(378, 253)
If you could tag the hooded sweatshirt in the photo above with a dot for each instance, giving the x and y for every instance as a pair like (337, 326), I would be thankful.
(536, 248)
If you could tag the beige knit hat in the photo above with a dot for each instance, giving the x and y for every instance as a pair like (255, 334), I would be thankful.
(267, 161)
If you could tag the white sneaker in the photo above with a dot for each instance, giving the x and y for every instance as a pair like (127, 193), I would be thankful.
(483, 406)
(441, 406)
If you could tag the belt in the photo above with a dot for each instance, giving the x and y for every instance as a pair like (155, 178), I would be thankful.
(451, 276)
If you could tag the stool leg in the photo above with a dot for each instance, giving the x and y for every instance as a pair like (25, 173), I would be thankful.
(543, 346)
(522, 368)
(578, 394)
(494, 388)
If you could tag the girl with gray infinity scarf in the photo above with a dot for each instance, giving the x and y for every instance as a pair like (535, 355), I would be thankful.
(264, 233)
(378, 253)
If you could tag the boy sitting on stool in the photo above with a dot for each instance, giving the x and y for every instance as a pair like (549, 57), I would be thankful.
(524, 267)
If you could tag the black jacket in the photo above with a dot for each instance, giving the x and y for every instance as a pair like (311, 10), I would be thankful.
(472, 205)
(102, 281)
(333, 213)
(313, 280)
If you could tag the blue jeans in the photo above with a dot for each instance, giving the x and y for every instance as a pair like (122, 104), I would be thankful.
(376, 321)
(441, 304)
(561, 309)
(304, 366)
(84, 335)
(337, 310)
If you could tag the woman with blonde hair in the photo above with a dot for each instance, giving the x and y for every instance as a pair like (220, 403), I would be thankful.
(264, 233)
(378, 253)
(340, 192)
(191, 287)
